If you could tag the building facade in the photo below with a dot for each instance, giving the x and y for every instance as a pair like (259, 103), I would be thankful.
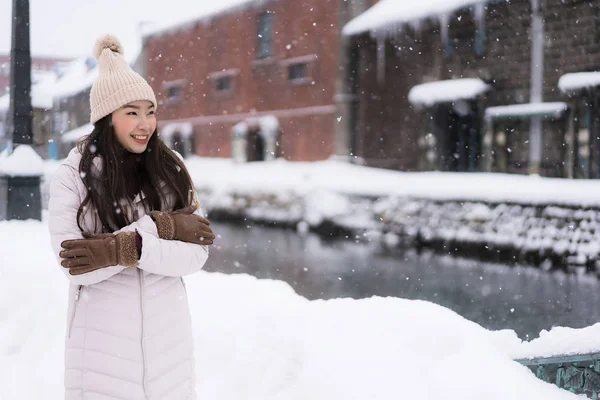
(253, 82)
(477, 88)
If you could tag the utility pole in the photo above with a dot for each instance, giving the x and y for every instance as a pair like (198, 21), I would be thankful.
(20, 172)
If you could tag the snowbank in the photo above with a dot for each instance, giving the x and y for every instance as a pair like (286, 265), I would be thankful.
(286, 178)
(257, 339)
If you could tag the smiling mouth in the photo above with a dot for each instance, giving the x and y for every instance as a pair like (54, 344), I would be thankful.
(140, 138)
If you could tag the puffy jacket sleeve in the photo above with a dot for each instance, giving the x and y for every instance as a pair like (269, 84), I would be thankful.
(167, 257)
(62, 223)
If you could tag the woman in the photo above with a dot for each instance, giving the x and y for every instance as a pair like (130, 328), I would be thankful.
(123, 247)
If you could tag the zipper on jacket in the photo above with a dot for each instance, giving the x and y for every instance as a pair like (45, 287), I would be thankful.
(141, 280)
(77, 294)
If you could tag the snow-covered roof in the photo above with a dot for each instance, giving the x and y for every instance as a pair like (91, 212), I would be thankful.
(42, 84)
(389, 13)
(578, 80)
(74, 135)
(197, 12)
(78, 75)
(552, 110)
(184, 129)
(428, 94)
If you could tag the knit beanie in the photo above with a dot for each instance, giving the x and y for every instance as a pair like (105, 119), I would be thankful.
(117, 84)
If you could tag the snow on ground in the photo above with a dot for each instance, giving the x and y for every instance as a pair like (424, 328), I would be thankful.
(222, 175)
(257, 339)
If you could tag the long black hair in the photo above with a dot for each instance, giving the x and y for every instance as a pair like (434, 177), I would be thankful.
(160, 173)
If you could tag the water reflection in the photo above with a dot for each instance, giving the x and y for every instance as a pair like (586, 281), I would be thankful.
(495, 296)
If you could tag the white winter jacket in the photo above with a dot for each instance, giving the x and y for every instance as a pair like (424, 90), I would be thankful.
(129, 332)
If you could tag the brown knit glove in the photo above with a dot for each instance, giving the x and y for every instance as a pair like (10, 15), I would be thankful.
(99, 251)
(183, 225)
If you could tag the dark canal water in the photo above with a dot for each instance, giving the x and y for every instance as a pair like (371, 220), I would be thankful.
(495, 296)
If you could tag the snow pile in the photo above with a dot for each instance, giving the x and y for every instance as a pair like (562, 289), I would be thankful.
(428, 94)
(561, 341)
(257, 339)
(579, 80)
(388, 13)
(24, 161)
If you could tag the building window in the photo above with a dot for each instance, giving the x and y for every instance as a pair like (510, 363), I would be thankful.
(223, 83)
(265, 35)
(297, 71)
(174, 91)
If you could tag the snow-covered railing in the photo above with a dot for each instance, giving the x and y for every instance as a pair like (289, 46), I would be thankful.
(578, 374)
(528, 110)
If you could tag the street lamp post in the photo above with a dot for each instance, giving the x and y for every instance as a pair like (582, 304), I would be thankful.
(20, 196)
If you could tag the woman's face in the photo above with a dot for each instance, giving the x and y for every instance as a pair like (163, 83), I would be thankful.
(134, 124)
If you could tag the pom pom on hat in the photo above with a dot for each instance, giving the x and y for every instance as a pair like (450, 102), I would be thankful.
(107, 42)
(117, 84)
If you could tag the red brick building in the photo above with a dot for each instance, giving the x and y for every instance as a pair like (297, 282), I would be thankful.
(254, 81)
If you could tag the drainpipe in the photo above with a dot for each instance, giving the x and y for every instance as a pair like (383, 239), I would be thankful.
(537, 82)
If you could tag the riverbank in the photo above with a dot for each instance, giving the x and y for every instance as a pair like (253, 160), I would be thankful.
(551, 223)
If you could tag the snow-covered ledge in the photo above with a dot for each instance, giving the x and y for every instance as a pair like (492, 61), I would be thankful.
(428, 94)
(528, 110)
(578, 80)
(23, 162)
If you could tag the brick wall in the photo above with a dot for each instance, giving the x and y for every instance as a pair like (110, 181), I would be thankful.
(194, 55)
(389, 128)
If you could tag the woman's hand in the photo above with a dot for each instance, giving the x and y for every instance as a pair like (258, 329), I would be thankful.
(183, 225)
(99, 251)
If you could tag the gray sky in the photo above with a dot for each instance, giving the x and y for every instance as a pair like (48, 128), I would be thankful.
(70, 27)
